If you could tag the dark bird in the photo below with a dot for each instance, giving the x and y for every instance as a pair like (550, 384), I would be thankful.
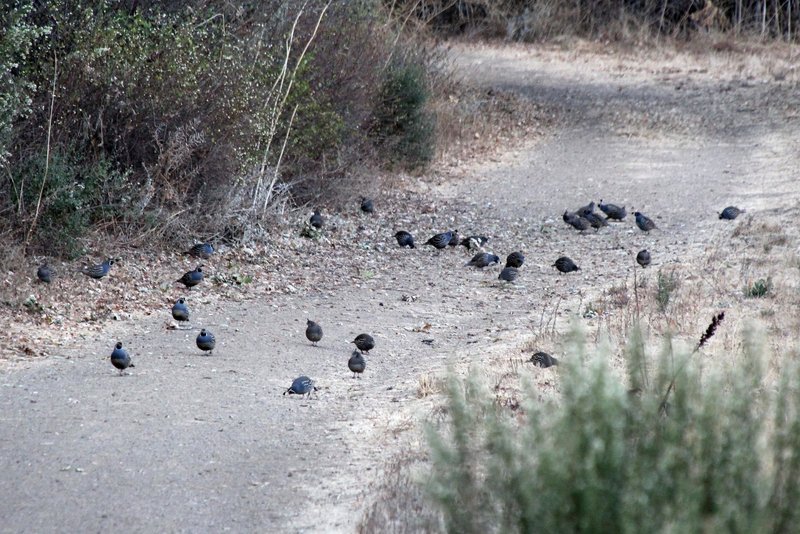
(180, 311)
(595, 220)
(316, 220)
(643, 258)
(120, 358)
(44, 273)
(367, 205)
(206, 341)
(192, 278)
(644, 222)
(98, 271)
(201, 250)
(576, 221)
(454, 239)
(357, 363)
(302, 385)
(730, 213)
(404, 239)
(585, 210)
(440, 241)
(613, 211)
(313, 331)
(364, 342)
(482, 259)
(542, 359)
(508, 274)
(565, 265)
(474, 241)
(515, 259)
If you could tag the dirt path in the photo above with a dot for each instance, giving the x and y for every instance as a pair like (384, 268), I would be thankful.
(192, 443)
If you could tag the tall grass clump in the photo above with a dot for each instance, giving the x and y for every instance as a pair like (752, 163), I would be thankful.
(722, 454)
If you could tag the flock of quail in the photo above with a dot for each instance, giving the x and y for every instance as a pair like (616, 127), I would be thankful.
(582, 219)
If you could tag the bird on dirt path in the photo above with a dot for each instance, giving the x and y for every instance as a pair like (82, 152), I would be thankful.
(356, 363)
(98, 271)
(576, 221)
(364, 342)
(474, 241)
(730, 213)
(482, 259)
(313, 332)
(440, 241)
(542, 359)
(302, 385)
(643, 258)
(316, 220)
(206, 341)
(201, 250)
(120, 358)
(180, 311)
(508, 274)
(565, 265)
(584, 210)
(44, 273)
(613, 211)
(404, 239)
(515, 259)
(367, 206)
(454, 239)
(595, 220)
(644, 222)
(192, 278)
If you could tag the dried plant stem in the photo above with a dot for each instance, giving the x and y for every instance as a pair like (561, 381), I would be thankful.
(47, 156)
(275, 175)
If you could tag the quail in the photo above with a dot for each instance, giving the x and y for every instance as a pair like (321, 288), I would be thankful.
(515, 259)
(482, 259)
(302, 385)
(595, 220)
(201, 250)
(206, 341)
(367, 206)
(644, 222)
(474, 241)
(120, 358)
(357, 363)
(364, 342)
(542, 359)
(587, 209)
(643, 258)
(180, 311)
(313, 332)
(98, 271)
(44, 273)
(576, 221)
(730, 213)
(192, 278)
(453, 239)
(316, 220)
(440, 241)
(508, 274)
(404, 239)
(613, 211)
(565, 265)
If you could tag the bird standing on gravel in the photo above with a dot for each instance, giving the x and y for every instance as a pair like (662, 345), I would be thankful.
(201, 250)
(453, 239)
(515, 259)
(474, 241)
(367, 206)
(613, 211)
(482, 259)
(595, 220)
(576, 221)
(404, 239)
(356, 363)
(192, 278)
(98, 271)
(313, 332)
(644, 222)
(542, 359)
(585, 210)
(44, 273)
(508, 274)
(440, 241)
(364, 342)
(565, 265)
(180, 311)
(643, 258)
(302, 385)
(206, 341)
(730, 213)
(120, 358)
(316, 220)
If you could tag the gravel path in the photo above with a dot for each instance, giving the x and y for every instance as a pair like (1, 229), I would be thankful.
(208, 443)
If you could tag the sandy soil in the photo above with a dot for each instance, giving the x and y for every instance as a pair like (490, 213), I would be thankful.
(197, 443)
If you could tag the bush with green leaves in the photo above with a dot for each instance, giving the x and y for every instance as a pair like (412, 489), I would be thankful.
(721, 453)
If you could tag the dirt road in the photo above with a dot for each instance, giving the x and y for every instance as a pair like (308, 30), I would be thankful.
(208, 443)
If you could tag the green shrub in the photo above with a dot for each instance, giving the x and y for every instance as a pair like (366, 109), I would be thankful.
(759, 288)
(721, 455)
